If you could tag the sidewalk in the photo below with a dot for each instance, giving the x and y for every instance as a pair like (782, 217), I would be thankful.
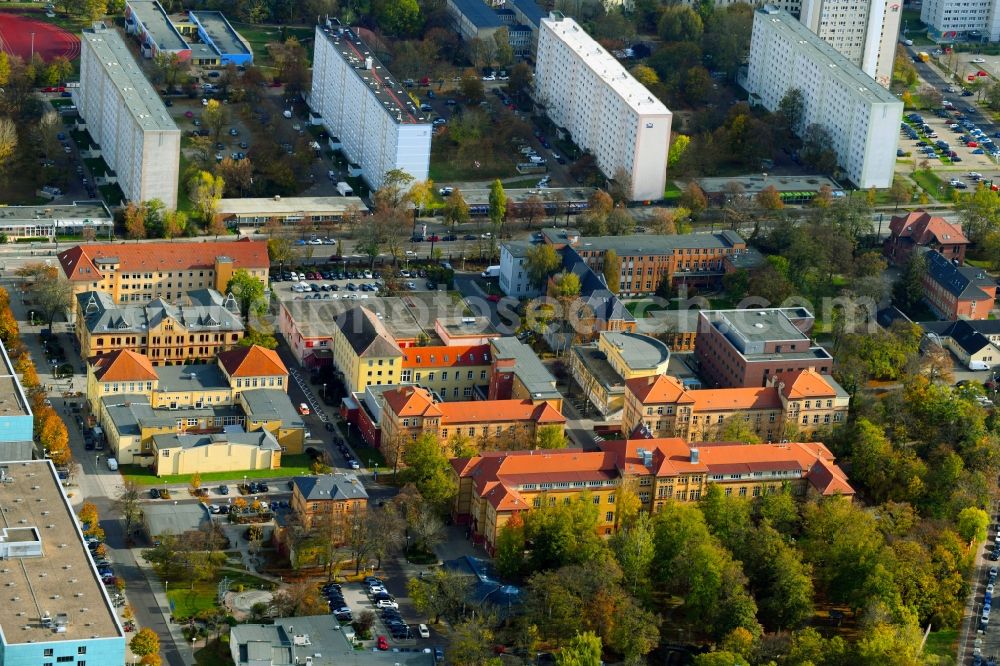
(163, 605)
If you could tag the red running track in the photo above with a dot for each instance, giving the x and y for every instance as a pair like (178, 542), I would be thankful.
(50, 40)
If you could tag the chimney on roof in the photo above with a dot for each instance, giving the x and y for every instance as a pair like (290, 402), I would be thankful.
(695, 455)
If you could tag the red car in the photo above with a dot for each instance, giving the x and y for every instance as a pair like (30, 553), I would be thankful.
(382, 643)
(48, 89)
(972, 144)
(493, 298)
(433, 238)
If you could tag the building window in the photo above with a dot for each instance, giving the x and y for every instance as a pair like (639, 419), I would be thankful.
(609, 516)
(597, 499)
(48, 652)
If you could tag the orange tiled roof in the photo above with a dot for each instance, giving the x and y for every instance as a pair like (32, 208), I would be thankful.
(442, 356)
(806, 384)
(411, 401)
(490, 411)
(123, 365)
(417, 401)
(81, 263)
(255, 361)
(735, 399)
(922, 228)
(498, 473)
(657, 389)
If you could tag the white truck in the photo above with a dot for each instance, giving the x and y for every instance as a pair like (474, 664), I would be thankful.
(491, 272)
(113, 464)
(344, 189)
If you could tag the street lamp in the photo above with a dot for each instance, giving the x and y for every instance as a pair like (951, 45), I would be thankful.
(324, 391)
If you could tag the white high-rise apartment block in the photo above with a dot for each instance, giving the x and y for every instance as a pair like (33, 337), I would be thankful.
(124, 115)
(366, 108)
(861, 116)
(865, 31)
(962, 19)
(587, 91)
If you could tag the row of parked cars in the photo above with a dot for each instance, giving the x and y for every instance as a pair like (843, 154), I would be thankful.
(346, 452)
(984, 620)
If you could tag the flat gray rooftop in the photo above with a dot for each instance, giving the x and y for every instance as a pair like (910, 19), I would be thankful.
(829, 58)
(596, 363)
(62, 582)
(319, 318)
(141, 101)
(770, 325)
(527, 366)
(639, 351)
(78, 211)
(290, 205)
(459, 326)
(379, 81)
(548, 195)
(190, 377)
(221, 33)
(754, 183)
(158, 24)
(13, 401)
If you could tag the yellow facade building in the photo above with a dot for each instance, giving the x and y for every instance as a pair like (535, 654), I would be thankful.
(602, 367)
(797, 406)
(243, 393)
(141, 272)
(495, 486)
(167, 334)
(226, 452)
(410, 411)
(364, 351)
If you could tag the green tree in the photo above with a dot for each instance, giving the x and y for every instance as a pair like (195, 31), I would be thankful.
(397, 17)
(456, 210)
(441, 594)
(566, 285)
(693, 198)
(909, 288)
(738, 428)
(541, 262)
(791, 111)
(279, 251)
(972, 523)
(215, 116)
(471, 643)
(634, 550)
(510, 547)
(620, 222)
(562, 533)
(498, 206)
(680, 23)
(135, 220)
(678, 146)
(248, 292)
(145, 642)
(980, 212)
(550, 437)
(4, 68)
(429, 470)
(206, 191)
(720, 658)
(645, 75)
(612, 271)
(582, 650)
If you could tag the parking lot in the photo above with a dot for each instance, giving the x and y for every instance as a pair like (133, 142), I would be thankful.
(941, 130)
(390, 622)
(352, 285)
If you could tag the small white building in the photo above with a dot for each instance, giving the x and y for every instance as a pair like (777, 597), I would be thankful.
(126, 117)
(864, 31)
(586, 91)
(861, 116)
(514, 279)
(367, 108)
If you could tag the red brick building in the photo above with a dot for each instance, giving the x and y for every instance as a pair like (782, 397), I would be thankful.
(955, 291)
(921, 229)
(748, 348)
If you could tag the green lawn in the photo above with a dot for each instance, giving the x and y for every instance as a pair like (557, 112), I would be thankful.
(943, 644)
(671, 191)
(643, 306)
(260, 36)
(291, 465)
(187, 599)
(930, 181)
(447, 167)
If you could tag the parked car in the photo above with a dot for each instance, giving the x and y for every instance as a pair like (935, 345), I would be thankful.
(382, 643)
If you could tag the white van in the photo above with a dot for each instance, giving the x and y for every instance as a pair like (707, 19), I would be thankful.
(113, 464)
(979, 365)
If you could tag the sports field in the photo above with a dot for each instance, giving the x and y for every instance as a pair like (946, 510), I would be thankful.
(20, 34)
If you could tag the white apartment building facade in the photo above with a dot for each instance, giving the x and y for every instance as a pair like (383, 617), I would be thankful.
(949, 20)
(366, 108)
(586, 91)
(124, 115)
(861, 116)
(864, 31)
